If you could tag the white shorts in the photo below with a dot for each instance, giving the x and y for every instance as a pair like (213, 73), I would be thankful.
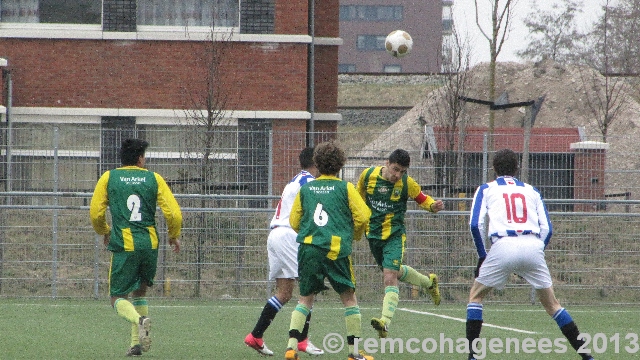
(522, 255)
(282, 250)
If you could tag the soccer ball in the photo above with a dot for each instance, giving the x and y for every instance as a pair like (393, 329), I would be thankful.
(398, 43)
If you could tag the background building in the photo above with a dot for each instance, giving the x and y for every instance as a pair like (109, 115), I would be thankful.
(364, 24)
(127, 68)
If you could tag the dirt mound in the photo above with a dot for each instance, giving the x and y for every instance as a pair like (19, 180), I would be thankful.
(566, 90)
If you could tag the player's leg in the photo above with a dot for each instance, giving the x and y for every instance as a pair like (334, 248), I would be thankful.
(306, 345)
(140, 330)
(311, 274)
(494, 273)
(388, 255)
(426, 283)
(342, 280)
(566, 324)
(282, 252)
(123, 279)
(284, 290)
(474, 313)
(147, 270)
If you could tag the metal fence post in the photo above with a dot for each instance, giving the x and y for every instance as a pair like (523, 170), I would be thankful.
(96, 266)
(54, 264)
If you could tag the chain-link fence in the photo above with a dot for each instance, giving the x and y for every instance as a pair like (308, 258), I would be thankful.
(227, 190)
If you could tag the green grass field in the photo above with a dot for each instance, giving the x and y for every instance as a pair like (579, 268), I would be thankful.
(70, 329)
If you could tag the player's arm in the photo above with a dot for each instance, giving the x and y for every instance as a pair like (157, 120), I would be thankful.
(99, 205)
(476, 222)
(171, 210)
(296, 214)
(546, 229)
(359, 211)
(423, 200)
(362, 187)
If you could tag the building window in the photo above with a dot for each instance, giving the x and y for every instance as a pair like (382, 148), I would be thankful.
(212, 13)
(346, 68)
(393, 68)
(370, 13)
(51, 11)
(370, 42)
(447, 25)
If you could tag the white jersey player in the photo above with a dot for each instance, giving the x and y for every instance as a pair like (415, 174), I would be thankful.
(281, 243)
(282, 250)
(519, 229)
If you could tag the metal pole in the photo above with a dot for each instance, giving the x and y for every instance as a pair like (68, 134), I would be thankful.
(54, 265)
(96, 265)
(270, 172)
(9, 132)
(485, 157)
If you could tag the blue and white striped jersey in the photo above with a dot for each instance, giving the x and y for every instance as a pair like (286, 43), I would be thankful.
(514, 208)
(283, 210)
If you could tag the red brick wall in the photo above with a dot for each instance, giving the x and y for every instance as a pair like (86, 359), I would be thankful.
(326, 79)
(588, 177)
(327, 15)
(152, 74)
(286, 10)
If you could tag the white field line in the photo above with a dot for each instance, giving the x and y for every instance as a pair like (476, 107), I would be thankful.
(465, 320)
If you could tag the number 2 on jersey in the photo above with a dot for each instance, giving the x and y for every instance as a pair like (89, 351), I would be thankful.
(512, 209)
(133, 203)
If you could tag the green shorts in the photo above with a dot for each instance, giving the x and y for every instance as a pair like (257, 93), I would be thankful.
(388, 253)
(131, 268)
(314, 267)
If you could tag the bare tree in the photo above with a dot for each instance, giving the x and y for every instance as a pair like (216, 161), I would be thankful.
(501, 17)
(554, 32)
(207, 113)
(621, 25)
(205, 135)
(604, 97)
(446, 109)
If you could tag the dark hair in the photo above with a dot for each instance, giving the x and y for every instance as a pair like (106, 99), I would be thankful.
(131, 151)
(329, 158)
(505, 162)
(306, 158)
(400, 157)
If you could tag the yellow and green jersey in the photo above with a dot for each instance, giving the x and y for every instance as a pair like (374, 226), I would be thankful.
(329, 214)
(388, 202)
(132, 194)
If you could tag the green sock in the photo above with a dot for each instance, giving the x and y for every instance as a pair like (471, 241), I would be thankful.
(411, 276)
(353, 320)
(126, 310)
(390, 303)
(298, 319)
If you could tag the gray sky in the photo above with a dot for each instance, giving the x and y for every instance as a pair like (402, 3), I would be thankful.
(464, 18)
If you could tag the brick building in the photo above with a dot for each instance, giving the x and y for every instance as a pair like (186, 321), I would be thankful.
(131, 65)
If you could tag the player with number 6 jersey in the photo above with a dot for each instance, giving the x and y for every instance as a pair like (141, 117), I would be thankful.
(328, 214)
(132, 194)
